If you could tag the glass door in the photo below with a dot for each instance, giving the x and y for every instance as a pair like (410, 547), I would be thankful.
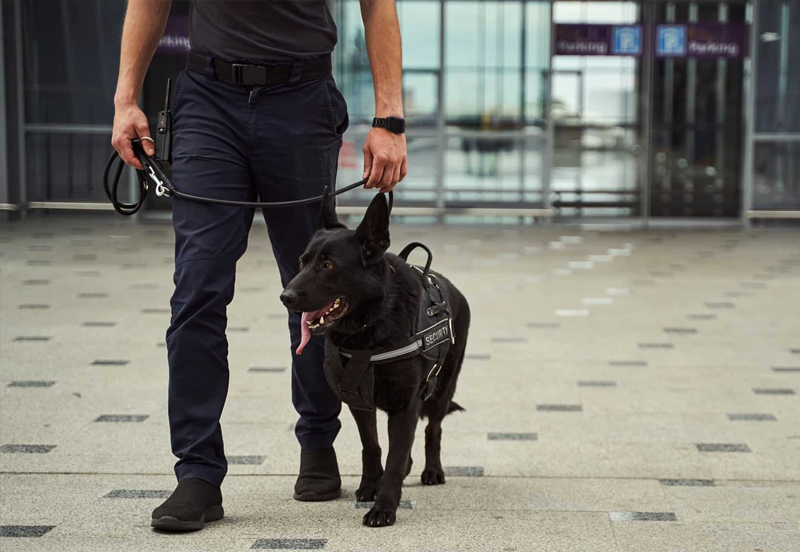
(596, 110)
(698, 112)
(775, 147)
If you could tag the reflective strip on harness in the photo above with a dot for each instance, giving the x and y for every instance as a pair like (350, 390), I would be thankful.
(410, 348)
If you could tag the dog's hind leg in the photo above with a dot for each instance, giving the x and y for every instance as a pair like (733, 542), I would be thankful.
(371, 468)
(433, 474)
(436, 409)
(402, 425)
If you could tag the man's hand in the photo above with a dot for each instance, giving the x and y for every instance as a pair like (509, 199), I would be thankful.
(385, 159)
(129, 123)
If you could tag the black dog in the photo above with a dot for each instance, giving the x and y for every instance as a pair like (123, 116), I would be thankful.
(365, 300)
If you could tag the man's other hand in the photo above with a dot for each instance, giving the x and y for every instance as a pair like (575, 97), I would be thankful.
(385, 159)
(130, 123)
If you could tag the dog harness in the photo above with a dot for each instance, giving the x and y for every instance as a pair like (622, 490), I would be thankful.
(351, 373)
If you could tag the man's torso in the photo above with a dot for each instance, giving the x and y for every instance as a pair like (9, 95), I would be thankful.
(262, 30)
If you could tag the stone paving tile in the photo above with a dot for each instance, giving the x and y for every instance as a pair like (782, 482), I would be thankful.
(31, 383)
(701, 316)
(27, 449)
(723, 447)
(656, 346)
(597, 383)
(559, 408)
(122, 418)
(642, 516)
(687, 482)
(463, 471)
(773, 391)
(752, 417)
(510, 339)
(513, 437)
(682, 331)
(24, 530)
(404, 505)
(246, 460)
(132, 493)
(274, 369)
(36, 282)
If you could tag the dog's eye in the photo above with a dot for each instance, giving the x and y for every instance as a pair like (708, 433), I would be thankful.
(301, 264)
(327, 265)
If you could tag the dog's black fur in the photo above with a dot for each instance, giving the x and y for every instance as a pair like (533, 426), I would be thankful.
(382, 293)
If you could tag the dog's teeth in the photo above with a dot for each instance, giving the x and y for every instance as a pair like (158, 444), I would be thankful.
(321, 319)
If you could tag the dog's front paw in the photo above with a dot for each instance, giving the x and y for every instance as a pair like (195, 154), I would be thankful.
(433, 477)
(380, 516)
(367, 491)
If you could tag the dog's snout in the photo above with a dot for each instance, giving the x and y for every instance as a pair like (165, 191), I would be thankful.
(289, 297)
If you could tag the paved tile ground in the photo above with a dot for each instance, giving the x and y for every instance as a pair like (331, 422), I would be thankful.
(624, 391)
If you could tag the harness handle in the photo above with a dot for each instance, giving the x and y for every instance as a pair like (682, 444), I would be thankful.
(407, 251)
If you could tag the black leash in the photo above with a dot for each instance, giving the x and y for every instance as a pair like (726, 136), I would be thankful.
(163, 187)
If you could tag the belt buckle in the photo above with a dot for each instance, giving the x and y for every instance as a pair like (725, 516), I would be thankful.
(242, 73)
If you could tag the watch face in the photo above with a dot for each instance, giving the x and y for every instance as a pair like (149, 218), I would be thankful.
(396, 125)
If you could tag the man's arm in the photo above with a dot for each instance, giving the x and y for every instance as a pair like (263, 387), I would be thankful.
(385, 158)
(145, 21)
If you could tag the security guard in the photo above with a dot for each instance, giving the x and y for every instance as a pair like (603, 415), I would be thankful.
(256, 115)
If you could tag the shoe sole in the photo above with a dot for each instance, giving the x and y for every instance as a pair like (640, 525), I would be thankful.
(169, 523)
(316, 497)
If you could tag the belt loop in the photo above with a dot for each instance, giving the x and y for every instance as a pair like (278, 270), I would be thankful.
(210, 71)
(297, 72)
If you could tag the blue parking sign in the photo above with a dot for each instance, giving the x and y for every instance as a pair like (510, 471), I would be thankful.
(627, 41)
(671, 40)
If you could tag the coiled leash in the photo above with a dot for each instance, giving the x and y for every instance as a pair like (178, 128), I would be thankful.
(154, 172)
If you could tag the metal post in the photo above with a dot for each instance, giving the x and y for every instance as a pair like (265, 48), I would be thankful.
(648, 59)
(547, 156)
(691, 107)
(440, 116)
(522, 143)
(720, 136)
(669, 109)
(749, 114)
(4, 195)
(22, 196)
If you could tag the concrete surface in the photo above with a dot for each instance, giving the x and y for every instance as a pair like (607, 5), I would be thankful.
(624, 391)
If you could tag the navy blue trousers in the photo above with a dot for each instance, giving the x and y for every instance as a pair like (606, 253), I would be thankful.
(243, 143)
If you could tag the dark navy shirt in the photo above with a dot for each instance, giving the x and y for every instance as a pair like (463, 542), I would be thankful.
(262, 30)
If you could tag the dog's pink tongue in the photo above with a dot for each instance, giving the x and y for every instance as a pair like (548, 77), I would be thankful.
(305, 333)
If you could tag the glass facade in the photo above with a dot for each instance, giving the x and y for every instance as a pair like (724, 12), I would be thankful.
(494, 119)
(776, 107)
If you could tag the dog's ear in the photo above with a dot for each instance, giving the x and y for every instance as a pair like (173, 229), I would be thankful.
(373, 232)
(327, 214)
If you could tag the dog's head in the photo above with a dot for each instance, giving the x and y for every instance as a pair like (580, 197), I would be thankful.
(340, 268)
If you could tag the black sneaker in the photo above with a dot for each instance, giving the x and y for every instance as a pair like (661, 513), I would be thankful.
(191, 505)
(319, 476)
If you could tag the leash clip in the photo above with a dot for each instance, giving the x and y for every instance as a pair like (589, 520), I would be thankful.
(161, 190)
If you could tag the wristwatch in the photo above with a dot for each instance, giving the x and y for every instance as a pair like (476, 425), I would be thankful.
(395, 125)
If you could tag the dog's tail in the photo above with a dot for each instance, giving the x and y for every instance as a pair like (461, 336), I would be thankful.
(455, 407)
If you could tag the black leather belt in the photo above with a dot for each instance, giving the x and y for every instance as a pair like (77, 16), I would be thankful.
(262, 75)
